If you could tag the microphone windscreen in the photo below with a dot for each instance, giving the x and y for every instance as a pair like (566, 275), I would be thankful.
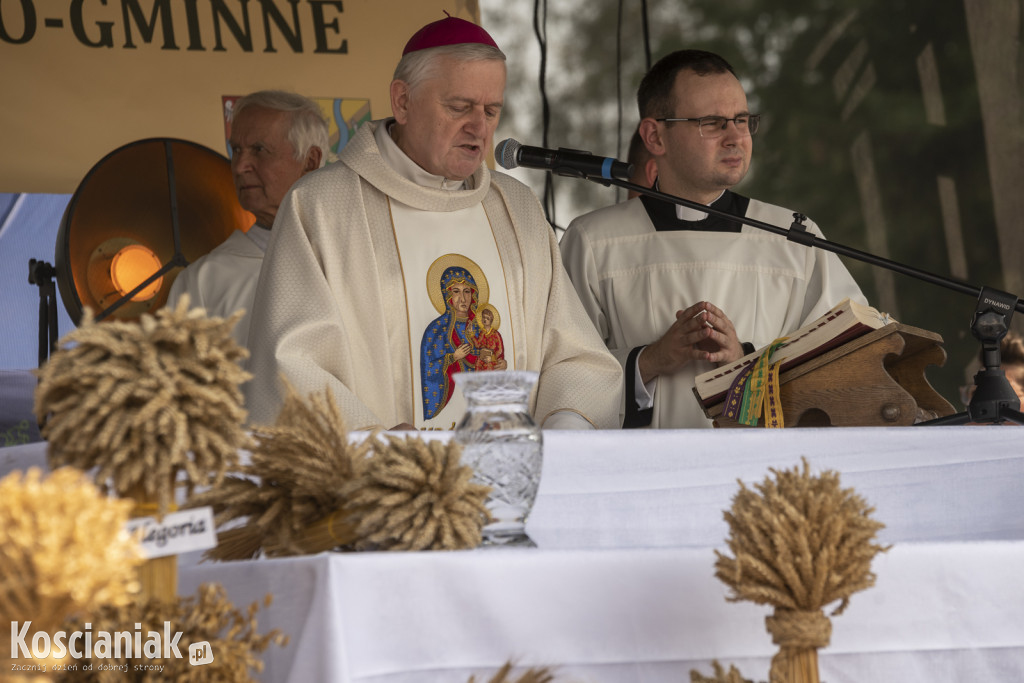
(506, 152)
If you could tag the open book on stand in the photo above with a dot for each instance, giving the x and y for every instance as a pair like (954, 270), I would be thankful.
(847, 320)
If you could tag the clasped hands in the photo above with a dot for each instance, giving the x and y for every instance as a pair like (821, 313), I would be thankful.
(701, 332)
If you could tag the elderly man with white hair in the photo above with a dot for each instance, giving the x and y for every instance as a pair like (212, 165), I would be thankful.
(276, 138)
(381, 264)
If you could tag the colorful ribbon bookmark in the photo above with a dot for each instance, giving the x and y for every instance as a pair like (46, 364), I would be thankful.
(757, 385)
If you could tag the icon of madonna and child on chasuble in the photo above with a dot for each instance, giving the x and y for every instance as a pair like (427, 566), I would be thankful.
(465, 337)
(457, 304)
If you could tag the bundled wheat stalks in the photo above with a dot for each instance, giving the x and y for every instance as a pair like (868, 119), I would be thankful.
(63, 550)
(309, 488)
(299, 474)
(208, 616)
(417, 495)
(541, 675)
(800, 543)
(144, 401)
(63, 547)
(733, 675)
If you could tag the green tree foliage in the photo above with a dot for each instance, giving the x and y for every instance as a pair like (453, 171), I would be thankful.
(853, 133)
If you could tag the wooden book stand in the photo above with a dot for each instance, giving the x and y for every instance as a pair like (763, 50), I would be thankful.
(876, 379)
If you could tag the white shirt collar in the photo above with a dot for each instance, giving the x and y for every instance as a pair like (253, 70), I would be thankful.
(400, 162)
(685, 213)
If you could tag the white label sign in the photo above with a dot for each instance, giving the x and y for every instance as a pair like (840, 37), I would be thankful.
(176, 533)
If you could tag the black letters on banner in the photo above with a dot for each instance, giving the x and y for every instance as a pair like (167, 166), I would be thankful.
(28, 13)
(272, 14)
(319, 25)
(78, 26)
(195, 40)
(152, 22)
(244, 37)
(160, 7)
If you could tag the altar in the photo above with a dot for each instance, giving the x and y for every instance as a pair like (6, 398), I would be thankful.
(621, 586)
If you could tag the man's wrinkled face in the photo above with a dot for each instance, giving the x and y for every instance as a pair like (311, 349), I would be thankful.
(447, 123)
(263, 161)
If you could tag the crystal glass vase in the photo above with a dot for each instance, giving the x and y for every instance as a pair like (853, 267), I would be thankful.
(502, 444)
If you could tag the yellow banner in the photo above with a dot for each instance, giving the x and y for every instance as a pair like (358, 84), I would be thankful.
(80, 78)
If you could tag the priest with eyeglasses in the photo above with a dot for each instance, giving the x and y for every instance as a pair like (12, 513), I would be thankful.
(673, 291)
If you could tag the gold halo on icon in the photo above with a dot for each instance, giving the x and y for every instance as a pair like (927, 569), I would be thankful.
(442, 263)
(495, 323)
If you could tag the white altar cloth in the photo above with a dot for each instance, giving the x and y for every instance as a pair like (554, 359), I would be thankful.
(948, 612)
(621, 587)
(668, 488)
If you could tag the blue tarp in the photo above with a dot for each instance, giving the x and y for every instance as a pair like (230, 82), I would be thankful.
(28, 229)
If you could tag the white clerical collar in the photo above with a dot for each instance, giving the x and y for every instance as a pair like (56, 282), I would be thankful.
(400, 162)
(259, 235)
(685, 213)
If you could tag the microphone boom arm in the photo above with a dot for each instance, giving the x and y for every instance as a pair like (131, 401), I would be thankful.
(797, 232)
(994, 400)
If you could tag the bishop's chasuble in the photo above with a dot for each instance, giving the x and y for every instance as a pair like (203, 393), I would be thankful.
(383, 283)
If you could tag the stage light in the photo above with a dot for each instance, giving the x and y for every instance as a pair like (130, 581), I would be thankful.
(140, 215)
(130, 267)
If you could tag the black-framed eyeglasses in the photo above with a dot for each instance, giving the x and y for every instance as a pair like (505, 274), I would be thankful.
(714, 126)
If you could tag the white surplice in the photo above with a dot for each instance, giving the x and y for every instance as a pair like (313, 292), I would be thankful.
(632, 278)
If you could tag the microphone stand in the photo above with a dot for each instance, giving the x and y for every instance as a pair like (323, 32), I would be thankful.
(994, 400)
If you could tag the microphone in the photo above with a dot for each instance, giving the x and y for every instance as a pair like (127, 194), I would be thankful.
(568, 162)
